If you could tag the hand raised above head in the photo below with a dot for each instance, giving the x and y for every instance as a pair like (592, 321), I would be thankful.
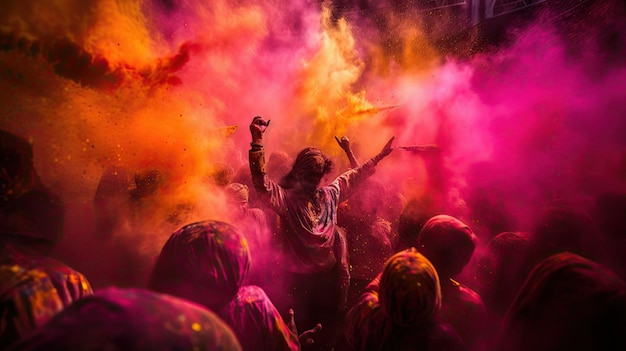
(344, 143)
(387, 149)
(258, 127)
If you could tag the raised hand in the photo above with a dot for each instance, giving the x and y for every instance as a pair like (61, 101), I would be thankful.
(344, 143)
(387, 149)
(258, 127)
(307, 337)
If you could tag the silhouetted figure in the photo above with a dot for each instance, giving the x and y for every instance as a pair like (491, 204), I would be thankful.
(132, 320)
(33, 286)
(609, 213)
(207, 263)
(220, 174)
(449, 244)
(500, 272)
(112, 202)
(242, 175)
(134, 209)
(400, 310)
(251, 222)
(561, 228)
(567, 303)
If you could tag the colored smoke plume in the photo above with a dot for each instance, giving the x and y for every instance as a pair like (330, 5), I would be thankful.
(173, 85)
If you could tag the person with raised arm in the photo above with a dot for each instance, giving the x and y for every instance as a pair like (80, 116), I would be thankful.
(314, 252)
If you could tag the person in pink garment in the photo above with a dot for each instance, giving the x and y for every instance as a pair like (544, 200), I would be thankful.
(132, 319)
(449, 244)
(33, 286)
(207, 262)
(567, 303)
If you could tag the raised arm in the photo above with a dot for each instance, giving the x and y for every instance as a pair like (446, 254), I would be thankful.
(270, 193)
(344, 143)
(347, 181)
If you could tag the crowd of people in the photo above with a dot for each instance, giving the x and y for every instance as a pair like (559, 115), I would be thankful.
(313, 259)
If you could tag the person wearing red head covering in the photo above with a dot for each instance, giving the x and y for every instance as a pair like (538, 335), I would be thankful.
(314, 251)
(449, 244)
(499, 273)
(33, 286)
(567, 303)
(207, 262)
(132, 319)
(400, 310)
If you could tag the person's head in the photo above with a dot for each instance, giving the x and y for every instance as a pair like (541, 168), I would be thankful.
(308, 170)
(278, 164)
(221, 174)
(205, 262)
(147, 182)
(502, 268)
(412, 218)
(561, 228)
(567, 302)
(448, 243)
(237, 196)
(132, 320)
(30, 214)
(243, 176)
(410, 292)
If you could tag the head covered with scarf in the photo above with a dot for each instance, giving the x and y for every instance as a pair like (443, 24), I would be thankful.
(205, 262)
(410, 293)
(28, 210)
(502, 268)
(566, 303)
(310, 166)
(448, 243)
(561, 228)
(132, 320)
(237, 193)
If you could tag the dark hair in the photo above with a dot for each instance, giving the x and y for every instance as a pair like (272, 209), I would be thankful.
(313, 162)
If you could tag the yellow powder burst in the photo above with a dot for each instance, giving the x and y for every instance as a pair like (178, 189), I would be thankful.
(326, 89)
(120, 34)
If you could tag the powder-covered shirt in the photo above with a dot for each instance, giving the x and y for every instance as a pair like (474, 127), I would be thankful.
(257, 323)
(311, 239)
